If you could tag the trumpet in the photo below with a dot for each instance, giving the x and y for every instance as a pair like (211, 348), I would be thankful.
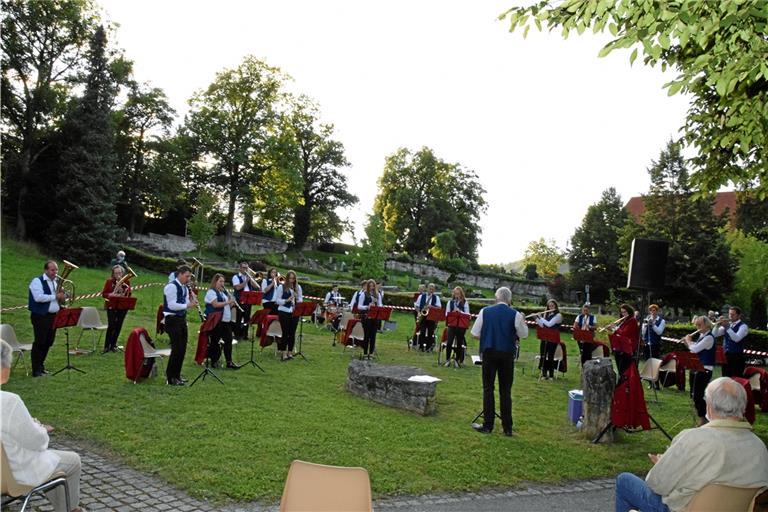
(615, 324)
(280, 278)
(540, 313)
(255, 276)
(65, 285)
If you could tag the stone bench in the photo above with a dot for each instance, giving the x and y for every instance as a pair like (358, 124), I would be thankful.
(389, 385)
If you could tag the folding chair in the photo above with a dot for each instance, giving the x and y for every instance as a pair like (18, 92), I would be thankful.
(650, 372)
(8, 334)
(274, 331)
(718, 497)
(669, 367)
(357, 335)
(558, 359)
(90, 321)
(18, 491)
(150, 352)
(323, 488)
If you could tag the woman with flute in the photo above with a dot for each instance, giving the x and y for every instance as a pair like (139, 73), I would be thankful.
(455, 335)
(550, 319)
(287, 295)
(218, 300)
(369, 297)
(704, 346)
(115, 317)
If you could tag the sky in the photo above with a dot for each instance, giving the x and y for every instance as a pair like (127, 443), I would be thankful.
(546, 124)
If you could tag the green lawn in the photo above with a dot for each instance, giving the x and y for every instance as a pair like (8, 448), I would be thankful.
(236, 441)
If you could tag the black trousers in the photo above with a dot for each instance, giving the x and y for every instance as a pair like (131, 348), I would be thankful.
(653, 350)
(623, 360)
(698, 383)
(240, 327)
(427, 334)
(369, 335)
(176, 327)
(222, 332)
(455, 341)
(549, 359)
(45, 335)
(288, 324)
(115, 318)
(501, 363)
(734, 365)
(586, 352)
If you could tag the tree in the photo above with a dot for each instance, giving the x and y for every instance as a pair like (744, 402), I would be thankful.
(43, 44)
(146, 112)
(201, 229)
(545, 255)
(86, 228)
(420, 196)
(751, 277)
(595, 256)
(372, 254)
(318, 159)
(444, 246)
(752, 215)
(700, 269)
(231, 121)
(718, 50)
(530, 272)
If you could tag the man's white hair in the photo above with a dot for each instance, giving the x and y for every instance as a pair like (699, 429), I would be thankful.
(726, 397)
(504, 295)
(6, 354)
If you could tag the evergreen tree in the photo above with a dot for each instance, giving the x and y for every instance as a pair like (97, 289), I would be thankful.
(86, 228)
(372, 253)
(752, 215)
(700, 269)
(595, 255)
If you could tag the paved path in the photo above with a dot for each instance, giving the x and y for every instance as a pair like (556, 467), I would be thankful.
(109, 486)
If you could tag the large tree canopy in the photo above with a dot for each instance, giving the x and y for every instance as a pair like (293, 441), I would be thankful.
(420, 196)
(719, 50)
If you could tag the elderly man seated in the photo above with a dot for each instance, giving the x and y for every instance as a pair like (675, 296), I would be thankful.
(724, 451)
(25, 443)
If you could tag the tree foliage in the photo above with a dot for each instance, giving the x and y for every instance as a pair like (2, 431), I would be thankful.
(545, 256)
(420, 196)
(201, 228)
(717, 49)
(595, 256)
(444, 246)
(372, 254)
(700, 269)
(318, 160)
(231, 121)
(751, 277)
(43, 47)
(752, 215)
(86, 228)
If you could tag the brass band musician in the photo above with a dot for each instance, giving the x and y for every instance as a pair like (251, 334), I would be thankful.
(115, 317)
(43, 305)
(242, 282)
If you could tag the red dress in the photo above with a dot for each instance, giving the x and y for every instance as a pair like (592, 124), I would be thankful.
(627, 337)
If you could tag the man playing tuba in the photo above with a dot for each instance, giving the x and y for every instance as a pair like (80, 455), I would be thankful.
(44, 299)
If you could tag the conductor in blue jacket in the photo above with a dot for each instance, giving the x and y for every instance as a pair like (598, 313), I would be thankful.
(499, 329)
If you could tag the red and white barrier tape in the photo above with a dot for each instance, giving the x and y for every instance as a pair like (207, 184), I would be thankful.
(90, 295)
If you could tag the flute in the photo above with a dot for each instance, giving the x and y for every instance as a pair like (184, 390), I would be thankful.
(540, 313)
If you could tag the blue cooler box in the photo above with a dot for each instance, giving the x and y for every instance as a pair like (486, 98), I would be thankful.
(575, 400)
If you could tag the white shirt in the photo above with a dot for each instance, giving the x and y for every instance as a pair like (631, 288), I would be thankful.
(36, 287)
(521, 328)
(171, 277)
(332, 297)
(285, 305)
(448, 309)
(722, 451)
(226, 311)
(705, 342)
(240, 279)
(25, 442)
(736, 336)
(657, 329)
(355, 297)
(264, 285)
(552, 322)
(428, 301)
(376, 298)
(170, 297)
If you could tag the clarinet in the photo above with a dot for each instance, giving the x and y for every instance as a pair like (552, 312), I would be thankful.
(199, 309)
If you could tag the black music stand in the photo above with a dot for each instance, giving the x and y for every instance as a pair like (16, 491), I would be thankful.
(255, 298)
(300, 310)
(207, 370)
(66, 318)
(121, 304)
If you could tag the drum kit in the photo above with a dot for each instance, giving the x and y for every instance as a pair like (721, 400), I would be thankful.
(332, 312)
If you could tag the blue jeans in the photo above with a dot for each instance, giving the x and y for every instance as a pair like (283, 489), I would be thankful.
(633, 492)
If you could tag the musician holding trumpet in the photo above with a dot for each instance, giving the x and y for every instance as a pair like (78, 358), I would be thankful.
(115, 286)
(243, 281)
(269, 286)
(585, 322)
(653, 328)
(735, 331)
(44, 300)
(287, 296)
(217, 299)
(704, 347)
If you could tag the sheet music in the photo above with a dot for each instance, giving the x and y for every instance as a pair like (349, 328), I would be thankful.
(424, 378)
(477, 359)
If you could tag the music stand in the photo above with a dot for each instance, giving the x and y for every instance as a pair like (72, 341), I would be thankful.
(456, 319)
(121, 304)
(66, 318)
(691, 362)
(205, 329)
(302, 309)
(255, 298)
(584, 335)
(435, 314)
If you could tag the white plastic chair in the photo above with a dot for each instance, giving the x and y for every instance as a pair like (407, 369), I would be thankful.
(357, 335)
(754, 382)
(151, 352)
(8, 334)
(90, 321)
(650, 373)
(274, 331)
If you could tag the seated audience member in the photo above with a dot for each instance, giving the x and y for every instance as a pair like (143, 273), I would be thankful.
(25, 443)
(724, 451)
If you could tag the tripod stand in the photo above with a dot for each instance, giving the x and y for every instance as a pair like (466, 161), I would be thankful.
(66, 318)
(207, 370)
(252, 361)
(301, 310)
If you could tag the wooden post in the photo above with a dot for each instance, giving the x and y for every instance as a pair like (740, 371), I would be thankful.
(599, 381)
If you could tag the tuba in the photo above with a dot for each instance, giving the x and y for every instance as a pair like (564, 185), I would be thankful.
(120, 284)
(65, 285)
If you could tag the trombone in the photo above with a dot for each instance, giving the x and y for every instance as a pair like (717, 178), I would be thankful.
(65, 285)
(615, 323)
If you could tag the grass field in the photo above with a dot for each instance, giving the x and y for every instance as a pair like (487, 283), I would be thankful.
(235, 442)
